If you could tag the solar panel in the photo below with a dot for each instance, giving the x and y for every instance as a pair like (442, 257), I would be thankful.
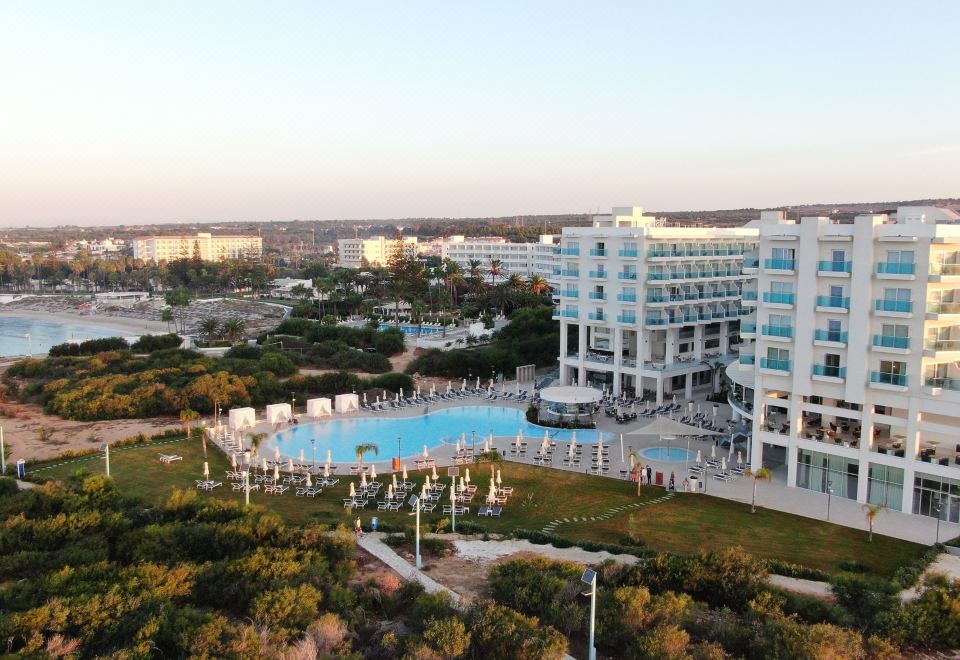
(453, 472)
(588, 576)
(413, 500)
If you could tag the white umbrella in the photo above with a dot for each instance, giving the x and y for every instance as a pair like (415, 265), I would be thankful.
(492, 495)
(434, 472)
(739, 458)
(713, 451)
(290, 465)
(363, 479)
(329, 457)
(723, 464)
(449, 384)
(544, 445)
(599, 443)
(423, 491)
(206, 470)
(364, 397)
(309, 481)
(276, 453)
(373, 472)
(518, 441)
(453, 495)
(458, 446)
(326, 470)
(518, 387)
(377, 402)
(353, 490)
(486, 446)
(404, 472)
(690, 407)
(463, 440)
(389, 491)
(397, 398)
(463, 485)
(573, 448)
(490, 389)
(546, 436)
(426, 452)
(499, 481)
(478, 383)
(490, 438)
(467, 476)
(401, 392)
(233, 461)
(699, 457)
(302, 459)
(426, 482)
(393, 480)
(276, 473)
(463, 386)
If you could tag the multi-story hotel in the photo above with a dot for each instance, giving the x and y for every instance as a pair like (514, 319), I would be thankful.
(516, 258)
(645, 307)
(853, 380)
(375, 251)
(207, 246)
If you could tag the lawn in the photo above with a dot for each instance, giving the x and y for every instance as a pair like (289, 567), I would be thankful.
(684, 524)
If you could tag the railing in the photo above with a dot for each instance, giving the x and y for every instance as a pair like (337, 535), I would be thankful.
(654, 320)
(834, 266)
(594, 295)
(753, 262)
(570, 273)
(776, 365)
(598, 274)
(627, 297)
(657, 277)
(829, 371)
(779, 298)
(696, 252)
(835, 302)
(597, 252)
(779, 264)
(626, 276)
(567, 314)
(943, 344)
(944, 382)
(891, 341)
(570, 252)
(748, 359)
(831, 335)
(778, 330)
(885, 378)
(626, 318)
(944, 308)
(748, 328)
(597, 316)
(570, 294)
(887, 268)
(628, 253)
(749, 295)
(629, 362)
(902, 306)
(945, 269)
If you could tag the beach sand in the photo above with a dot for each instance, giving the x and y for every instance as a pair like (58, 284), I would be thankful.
(131, 327)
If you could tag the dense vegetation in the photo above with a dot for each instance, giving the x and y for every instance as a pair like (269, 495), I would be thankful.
(331, 346)
(531, 337)
(86, 571)
(121, 384)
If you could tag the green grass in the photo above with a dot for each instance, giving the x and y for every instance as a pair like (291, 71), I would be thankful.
(685, 524)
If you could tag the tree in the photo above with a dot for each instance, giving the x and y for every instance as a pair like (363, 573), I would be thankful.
(495, 270)
(633, 460)
(447, 636)
(187, 418)
(715, 366)
(256, 439)
(179, 300)
(210, 328)
(872, 511)
(234, 329)
(167, 317)
(365, 448)
(301, 292)
(758, 475)
(538, 285)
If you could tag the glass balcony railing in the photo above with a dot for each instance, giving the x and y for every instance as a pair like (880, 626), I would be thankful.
(748, 328)
(944, 307)
(902, 306)
(891, 341)
(655, 320)
(829, 371)
(597, 316)
(749, 295)
(598, 274)
(943, 344)
(657, 277)
(833, 302)
(779, 298)
(831, 335)
(570, 252)
(886, 268)
(777, 331)
(628, 253)
(597, 252)
(751, 262)
(626, 318)
(594, 295)
(570, 273)
(779, 264)
(627, 297)
(748, 359)
(776, 365)
(945, 383)
(885, 378)
(834, 266)
(945, 269)
(570, 293)
(567, 313)
(626, 276)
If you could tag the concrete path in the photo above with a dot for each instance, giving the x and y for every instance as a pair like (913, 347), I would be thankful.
(373, 543)
(551, 527)
(25, 485)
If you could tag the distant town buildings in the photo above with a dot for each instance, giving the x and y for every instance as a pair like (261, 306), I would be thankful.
(375, 251)
(204, 246)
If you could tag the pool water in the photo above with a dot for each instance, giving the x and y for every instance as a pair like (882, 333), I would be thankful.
(340, 436)
(668, 454)
(413, 329)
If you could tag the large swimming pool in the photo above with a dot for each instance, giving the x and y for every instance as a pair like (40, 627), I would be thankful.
(413, 329)
(340, 436)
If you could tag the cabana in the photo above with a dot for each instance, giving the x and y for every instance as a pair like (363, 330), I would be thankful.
(279, 412)
(346, 403)
(242, 418)
(318, 407)
(569, 402)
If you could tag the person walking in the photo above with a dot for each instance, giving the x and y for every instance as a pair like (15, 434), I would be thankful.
(357, 527)
(649, 474)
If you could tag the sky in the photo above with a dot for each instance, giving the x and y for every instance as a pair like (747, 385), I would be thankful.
(132, 112)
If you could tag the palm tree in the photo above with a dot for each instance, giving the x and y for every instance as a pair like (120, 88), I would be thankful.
(187, 418)
(633, 460)
(873, 510)
(210, 327)
(715, 366)
(235, 330)
(167, 317)
(365, 448)
(538, 285)
(255, 440)
(761, 474)
(495, 270)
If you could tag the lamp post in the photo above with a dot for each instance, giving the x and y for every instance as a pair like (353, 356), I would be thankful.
(590, 577)
(398, 448)
(829, 497)
(313, 462)
(293, 406)
(938, 510)
(3, 454)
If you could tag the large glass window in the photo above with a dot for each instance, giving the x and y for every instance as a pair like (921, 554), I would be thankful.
(818, 471)
(885, 486)
(931, 492)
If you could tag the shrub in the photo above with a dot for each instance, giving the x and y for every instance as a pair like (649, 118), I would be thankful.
(393, 382)
(151, 343)
(90, 347)
(448, 636)
(785, 568)
(544, 588)
(428, 607)
(500, 632)
(8, 486)
(865, 598)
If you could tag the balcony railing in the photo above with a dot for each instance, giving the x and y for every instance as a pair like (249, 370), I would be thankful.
(748, 328)
(598, 274)
(626, 318)
(567, 314)
(943, 345)
(837, 336)
(944, 307)
(779, 264)
(945, 269)
(891, 341)
(597, 252)
(626, 276)
(944, 382)
(628, 253)
(829, 371)
(704, 251)
(749, 295)
(597, 316)
(595, 295)
(902, 306)
(570, 294)
(779, 298)
(834, 266)
(885, 378)
(570, 252)
(570, 273)
(655, 320)
(776, 365)
(833, 302)
(748, 359)
(887, 268)
(751, 262)
(627, 297)
(778, 330)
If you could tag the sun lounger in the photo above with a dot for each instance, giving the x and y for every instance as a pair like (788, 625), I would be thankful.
(170, 458)
(496, 511)
(484, 511)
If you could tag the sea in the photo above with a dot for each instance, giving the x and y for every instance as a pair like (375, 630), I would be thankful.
(20, 335)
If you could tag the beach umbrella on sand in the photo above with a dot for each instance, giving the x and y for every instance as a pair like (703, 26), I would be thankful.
(377, 402)
(206, 470)
(353, 490)
(573, 437)
(434, 473)
(363, 480)
(426, 452)
(373, 473)
(467, 475)
(405, 472)
(276, 473)
(397, 398)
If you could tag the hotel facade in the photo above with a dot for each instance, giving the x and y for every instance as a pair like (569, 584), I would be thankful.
(850, 370)
(648, 308)
(375, 251)
(207, 246)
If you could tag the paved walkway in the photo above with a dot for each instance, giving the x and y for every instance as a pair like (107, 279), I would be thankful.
(373, 543)
(551, 527)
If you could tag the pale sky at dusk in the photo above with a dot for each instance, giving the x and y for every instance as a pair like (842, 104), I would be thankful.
(116, 112)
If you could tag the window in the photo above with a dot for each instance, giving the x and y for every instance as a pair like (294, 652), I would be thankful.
(896, 294)
(785, 254)
(780, 320)
(778, 354)
(900, 256)
(836, 292)
(834, 330)
(822, 472)
(838, 256)
(781, 288)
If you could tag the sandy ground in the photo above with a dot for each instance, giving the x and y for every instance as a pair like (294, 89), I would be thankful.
(129, 325)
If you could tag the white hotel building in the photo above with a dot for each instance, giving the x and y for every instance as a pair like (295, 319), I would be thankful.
(205, 245)
(523, 259)
(853, 381)
(647, 307)
(375, 251)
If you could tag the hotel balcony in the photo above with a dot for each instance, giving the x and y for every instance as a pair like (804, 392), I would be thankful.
(750, 265)
(746, 358)
(828, 372)
(887, 380)
(598, 253)
(772, 364)
(626, 318)
(893, 307)
(749, 298)
(595, 295)
(934, 346)
(770, 298)
(748, 329)
(626, 276)
(834, 268)
(896, 271)
(832, 304)
(570, 293)
(940, 272)
(598, 274)
(942, 383)
(570, 252)
(780, 265)
(784, 332)
(569, 273)
(566, 314)
(656, 321)
(627, 297)
(830, 337)
(891, 344)
(597, 316)
(628, 253)
(937, 310)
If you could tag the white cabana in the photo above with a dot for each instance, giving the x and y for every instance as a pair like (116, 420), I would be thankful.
(278, 413)
(319, 407)
(242, 418)
(346, 403)
(570, 401)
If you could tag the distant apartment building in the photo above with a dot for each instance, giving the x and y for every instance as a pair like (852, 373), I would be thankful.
(375, 251)
(648, 307)
(516, 258)
(207, 246)
(851, 377)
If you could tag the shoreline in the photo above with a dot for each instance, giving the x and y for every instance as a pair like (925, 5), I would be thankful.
(120, 323)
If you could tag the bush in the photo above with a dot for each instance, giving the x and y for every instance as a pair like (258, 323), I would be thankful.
(907, 576)
(428, 607)
(544, 588)
(389, 342)
(90, 347)
(277, 363)
(393, 382)
(151, 343)
(8, 486)
(244, 352)
(500, 632)
(865, 598)
(785, 568)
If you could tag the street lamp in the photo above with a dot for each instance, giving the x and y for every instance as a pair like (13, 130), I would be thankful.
(590, 577)
(313, 462)
(293, 406)
(938, 510)
(829, 496)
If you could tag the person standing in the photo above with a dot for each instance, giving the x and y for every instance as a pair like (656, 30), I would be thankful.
(357, 527)
(649, 474)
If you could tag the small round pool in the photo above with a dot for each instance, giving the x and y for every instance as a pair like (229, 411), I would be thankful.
(668, 454)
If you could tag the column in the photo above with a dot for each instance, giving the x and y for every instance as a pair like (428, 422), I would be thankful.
(659, 388)
(912, 447)
(698, 341)
(688, 389)
(670, 349)
(582, 350)
(617, 357)
(724, 337)
(795, 409)
(865, 446)
(564, 369)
